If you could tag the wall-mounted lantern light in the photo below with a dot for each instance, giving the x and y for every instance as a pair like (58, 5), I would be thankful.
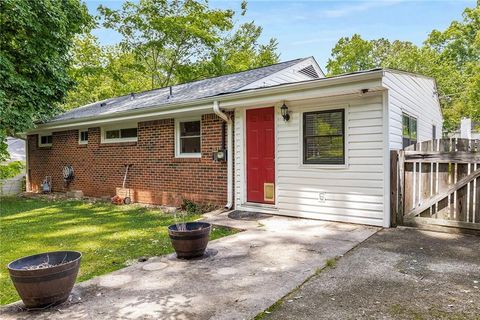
(284, 110)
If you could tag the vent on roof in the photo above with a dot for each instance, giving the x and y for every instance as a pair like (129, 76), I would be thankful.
(103, 104)
(309, 71)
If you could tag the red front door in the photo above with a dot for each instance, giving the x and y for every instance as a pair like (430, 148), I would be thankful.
(260, 155)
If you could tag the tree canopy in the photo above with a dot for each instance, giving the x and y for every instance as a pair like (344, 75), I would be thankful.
(164, 43)
(34, 59)
(164, 34)
(451, 56)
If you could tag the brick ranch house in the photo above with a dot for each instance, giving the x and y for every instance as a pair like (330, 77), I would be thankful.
(282, 139)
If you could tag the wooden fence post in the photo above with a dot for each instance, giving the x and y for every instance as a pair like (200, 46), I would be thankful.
(401, 186)
(393, 187)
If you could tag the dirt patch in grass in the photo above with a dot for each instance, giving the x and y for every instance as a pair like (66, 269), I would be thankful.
(109, 236)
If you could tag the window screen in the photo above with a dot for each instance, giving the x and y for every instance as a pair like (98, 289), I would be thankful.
(409, 130)
(190, 139)
(121, 133)
(112, 134)
(324, 137)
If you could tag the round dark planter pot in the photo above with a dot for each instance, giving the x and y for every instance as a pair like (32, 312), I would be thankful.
(192, 242)
(48, 286)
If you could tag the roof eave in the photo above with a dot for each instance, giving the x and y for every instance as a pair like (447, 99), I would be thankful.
(206, 103)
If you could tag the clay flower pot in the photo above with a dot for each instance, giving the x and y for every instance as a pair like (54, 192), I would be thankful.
(45, 279)
(189, 239)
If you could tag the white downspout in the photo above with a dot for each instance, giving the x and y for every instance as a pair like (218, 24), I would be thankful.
(27, 165)
(226, 118)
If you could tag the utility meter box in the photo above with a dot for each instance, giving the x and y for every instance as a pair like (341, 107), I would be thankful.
(220, 155)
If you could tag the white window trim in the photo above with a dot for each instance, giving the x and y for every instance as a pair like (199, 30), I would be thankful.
(411, 116)
(80, 135)
(103, 130)
(345, 150)
(40, 144)
(178, 154)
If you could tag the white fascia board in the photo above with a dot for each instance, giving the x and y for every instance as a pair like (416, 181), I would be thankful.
(121, 118)
(338, 85)
(412, 74)
(305, 94)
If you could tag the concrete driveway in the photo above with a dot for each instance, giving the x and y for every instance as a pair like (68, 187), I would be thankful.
(241, 276)
(395, 274)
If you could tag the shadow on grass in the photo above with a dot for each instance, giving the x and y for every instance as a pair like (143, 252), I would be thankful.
(109, 236)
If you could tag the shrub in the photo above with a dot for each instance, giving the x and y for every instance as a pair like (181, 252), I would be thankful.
(191, 207)
(11, 169)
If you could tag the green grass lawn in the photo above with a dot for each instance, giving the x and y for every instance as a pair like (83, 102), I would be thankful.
(108, 236)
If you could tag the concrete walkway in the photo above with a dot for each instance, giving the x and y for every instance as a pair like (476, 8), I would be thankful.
(241, 276)
(395, 274)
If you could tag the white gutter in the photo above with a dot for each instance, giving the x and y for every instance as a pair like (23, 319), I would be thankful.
(205, 102)
(228, 120)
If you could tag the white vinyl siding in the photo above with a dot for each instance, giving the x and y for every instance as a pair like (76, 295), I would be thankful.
(354, 193)
(12, 186)
(415, 96)
(287, 75)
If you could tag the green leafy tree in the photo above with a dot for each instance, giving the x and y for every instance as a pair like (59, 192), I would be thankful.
(143, 59)
(452, 57)
(459, 47)
(350, 55)
(166, 34)
(103, 72)
(243, 51)
(36, 37)
(355, 54)
(11, 169)
(237, 52)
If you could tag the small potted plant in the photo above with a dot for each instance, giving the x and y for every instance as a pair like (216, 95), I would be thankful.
(45, 279)
(189, 239)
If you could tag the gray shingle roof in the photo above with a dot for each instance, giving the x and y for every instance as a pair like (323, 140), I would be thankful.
(180, 93)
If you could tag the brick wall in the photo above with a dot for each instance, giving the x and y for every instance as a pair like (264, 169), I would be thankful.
(156, 177)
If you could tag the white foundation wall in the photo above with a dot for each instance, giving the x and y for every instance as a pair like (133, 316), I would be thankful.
(353, 193)
(416, 96)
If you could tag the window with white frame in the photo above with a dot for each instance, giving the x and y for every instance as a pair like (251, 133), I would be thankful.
(123, 133)
(409, 130)
(83, 136)
(45, 140)
(188, 138)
